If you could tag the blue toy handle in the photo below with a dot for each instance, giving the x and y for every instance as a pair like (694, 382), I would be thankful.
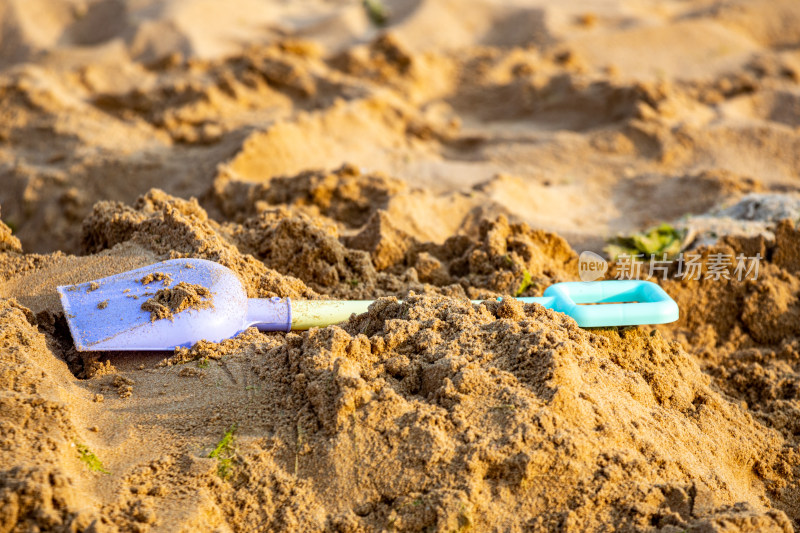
(620, 302)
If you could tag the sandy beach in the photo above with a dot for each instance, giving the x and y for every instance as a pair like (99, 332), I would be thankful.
(420, 153)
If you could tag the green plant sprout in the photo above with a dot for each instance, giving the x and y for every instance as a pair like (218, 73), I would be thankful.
(224, 453)
(88, 457)
(526, 282)
(663, 239)
(376, 11)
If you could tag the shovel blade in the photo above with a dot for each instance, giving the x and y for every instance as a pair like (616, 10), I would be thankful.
(107, 314)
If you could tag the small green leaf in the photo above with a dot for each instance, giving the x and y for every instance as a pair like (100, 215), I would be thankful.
(224, 453)
(90, 459)
(526, 282)
(657, 241)
(376, 11)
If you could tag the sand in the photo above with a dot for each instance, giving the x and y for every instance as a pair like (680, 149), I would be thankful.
(164, 277)
(167, 303)
(457, 152)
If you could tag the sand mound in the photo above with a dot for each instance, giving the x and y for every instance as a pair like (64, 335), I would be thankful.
(345, 195)
(41, 484)
(434, 413)
(8, 242)
(501, 258)
(776, 23)
(173, 228)
(426, 150)
(441, 414)
(744, 312)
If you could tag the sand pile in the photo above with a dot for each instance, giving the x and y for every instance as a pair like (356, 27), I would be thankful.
(434, 413)
(745, 333)
(42, 481)
(454, 152)
(166, 303)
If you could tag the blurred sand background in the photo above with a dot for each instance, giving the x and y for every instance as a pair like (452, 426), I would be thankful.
(441, 147)
(585, 118)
